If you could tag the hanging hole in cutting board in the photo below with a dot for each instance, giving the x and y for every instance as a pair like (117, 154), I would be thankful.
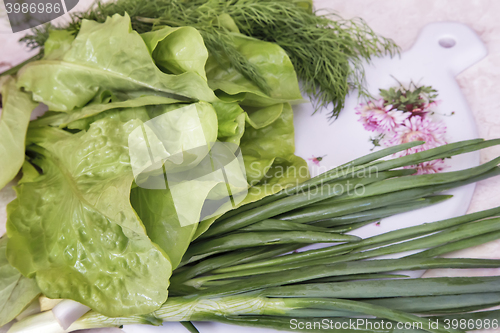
(447, 42)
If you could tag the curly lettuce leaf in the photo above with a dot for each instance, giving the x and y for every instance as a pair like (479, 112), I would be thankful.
(73, 228)
(16, 291)
(177, 50)
(14, 120)
(273, 64)
(106, 56)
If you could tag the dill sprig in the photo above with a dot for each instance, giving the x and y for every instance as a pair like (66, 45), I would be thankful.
(221, 46)
(327, 51)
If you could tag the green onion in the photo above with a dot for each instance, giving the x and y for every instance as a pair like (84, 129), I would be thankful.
(440, 304)
(274, 225)
(292, 202)
(351, 227)
(356, 277)
(254, 239)
(380, 213)
(338, 269)
(373, 188)
(326, 211)
(473, 321)
(232, 258)
(368, 243)
(458, 245)
(455, 233)
(391, 288)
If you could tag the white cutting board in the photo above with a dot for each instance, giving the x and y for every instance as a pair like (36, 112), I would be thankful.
(441, 52)
(431, 61)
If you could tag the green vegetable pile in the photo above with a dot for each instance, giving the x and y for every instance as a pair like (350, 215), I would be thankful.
(76, 225)
(84, 228)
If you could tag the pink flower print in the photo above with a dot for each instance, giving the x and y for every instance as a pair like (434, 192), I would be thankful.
(418, 129)
(392, 119)
(316, 160)
(376, 117)
(370, 124)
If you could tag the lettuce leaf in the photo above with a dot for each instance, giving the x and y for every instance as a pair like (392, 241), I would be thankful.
(173, 53)
(74, 229)
(283, 172)
(239, 130)
(273, 64)
(14, 120)
(262, 117)
(171, 214)
(58, 43)
(233, 119)
(158, 213)
(114, 101)
(226, 117)
(172, 129)
(16, 291)
(107, 56)
(262, 145)
(178, 137)
(124, 115)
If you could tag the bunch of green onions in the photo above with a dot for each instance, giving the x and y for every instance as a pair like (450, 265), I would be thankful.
(244, 269)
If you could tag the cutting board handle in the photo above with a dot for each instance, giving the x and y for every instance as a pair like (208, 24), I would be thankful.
(454, 46)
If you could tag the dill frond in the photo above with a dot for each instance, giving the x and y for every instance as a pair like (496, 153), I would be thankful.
(221, 46)
(327, 51)
(37, 37)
